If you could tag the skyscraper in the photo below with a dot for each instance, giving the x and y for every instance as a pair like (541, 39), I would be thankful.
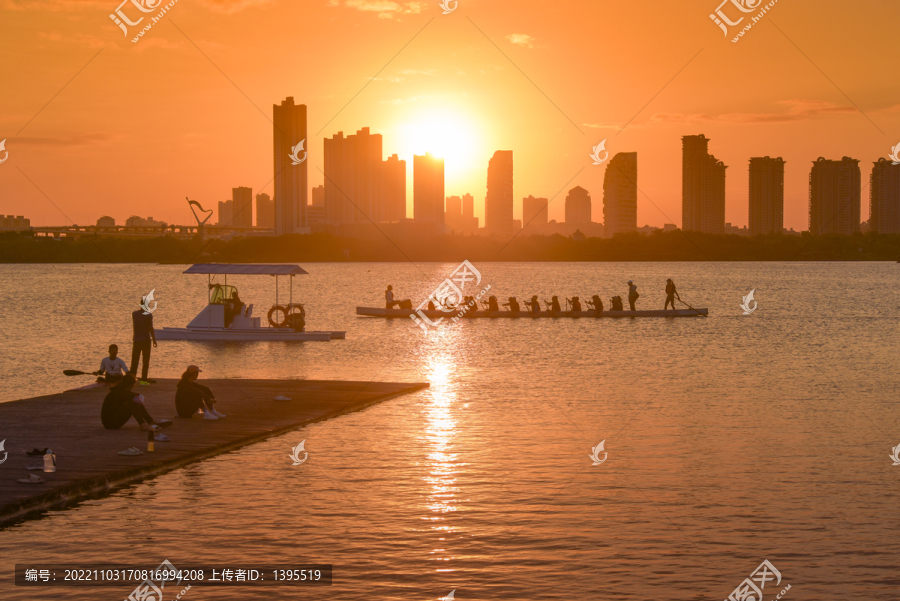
(884, 198)
(534, 212)
(620, 194)
(469, 208)
(318, 196)
(766, 195)
(834, 196)
(498, 205)
(393, 190)
(265, 211)
(702, 187)
(290, 180)
(242, 207)
(226, 213)
(428, 189)
(359, 186)
(578, 206)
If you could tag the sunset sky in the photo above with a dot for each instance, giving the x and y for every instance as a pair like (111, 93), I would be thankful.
(186, 110)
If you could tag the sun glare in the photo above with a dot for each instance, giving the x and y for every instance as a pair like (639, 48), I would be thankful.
(443, 134)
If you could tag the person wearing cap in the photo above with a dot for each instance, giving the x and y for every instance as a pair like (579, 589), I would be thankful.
(671, 294)
(142, 322)
(191, 396)
(632, 294)
(389, 297)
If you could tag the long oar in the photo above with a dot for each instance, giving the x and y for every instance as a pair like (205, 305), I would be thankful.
(75, 372)
(691, 308)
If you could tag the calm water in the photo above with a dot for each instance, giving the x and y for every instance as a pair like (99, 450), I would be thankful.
(731, 439)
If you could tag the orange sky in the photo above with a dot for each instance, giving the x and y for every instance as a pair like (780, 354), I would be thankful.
(185, 111)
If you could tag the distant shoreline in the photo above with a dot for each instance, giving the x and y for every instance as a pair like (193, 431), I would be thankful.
(326, 248)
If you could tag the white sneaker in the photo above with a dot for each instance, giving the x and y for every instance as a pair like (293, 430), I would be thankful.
(209, 415)
(217, 414)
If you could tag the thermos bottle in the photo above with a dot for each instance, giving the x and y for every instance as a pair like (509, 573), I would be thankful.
(49, 461)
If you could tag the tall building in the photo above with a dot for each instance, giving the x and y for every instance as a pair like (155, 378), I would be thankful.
(884, 197)
(226, 214)
(578, 206)
(428, 189)
(834, 196)
(242, 207)
(289, 121)
(620, 194)
(359, 186)
(534, 212)
(318, 196)
(702, 187)
(458, 214)
(766, 195)
(393, 190)
(265, 211)
(498, 205)
(19, 223)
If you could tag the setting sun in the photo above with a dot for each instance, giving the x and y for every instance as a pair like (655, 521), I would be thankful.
(444, 134)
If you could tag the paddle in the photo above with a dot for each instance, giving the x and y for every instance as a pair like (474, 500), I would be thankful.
(691, 308)
(75, 372)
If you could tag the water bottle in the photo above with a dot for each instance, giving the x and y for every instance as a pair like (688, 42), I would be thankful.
(49, 461)
(150, 446)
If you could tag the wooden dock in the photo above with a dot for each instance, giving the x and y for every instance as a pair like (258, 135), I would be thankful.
(88, 463)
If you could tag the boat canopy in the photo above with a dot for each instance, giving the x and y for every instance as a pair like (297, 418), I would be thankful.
(245, 269)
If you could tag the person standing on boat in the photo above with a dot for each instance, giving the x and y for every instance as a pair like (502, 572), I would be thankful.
(389, 301)
(632, 294)
(671, 294)
(142, 323)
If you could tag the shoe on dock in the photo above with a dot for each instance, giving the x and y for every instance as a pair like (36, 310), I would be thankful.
(31, 479)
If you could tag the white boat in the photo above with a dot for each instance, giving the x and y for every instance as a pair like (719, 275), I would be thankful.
(390, 313)
(285, 321)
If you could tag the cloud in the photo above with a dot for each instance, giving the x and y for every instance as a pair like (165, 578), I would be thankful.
(796, 110)
(78, 39)
(79, 140)
(233, 6)
(521, 39)
(386, 9)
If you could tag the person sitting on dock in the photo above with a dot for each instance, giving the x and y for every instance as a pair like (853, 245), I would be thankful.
(553, 305)
(191, 396)
(596, 304)
(575, 302)
(632, 294)
(513, 304)
(534, 305)
(121, 404)
(112, 368)
(671, 294)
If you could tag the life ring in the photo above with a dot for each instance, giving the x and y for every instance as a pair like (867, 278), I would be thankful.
(272, 322)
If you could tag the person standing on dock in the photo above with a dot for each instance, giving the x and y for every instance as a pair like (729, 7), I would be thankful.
(671, 294)
(632, 294)
(142, 322)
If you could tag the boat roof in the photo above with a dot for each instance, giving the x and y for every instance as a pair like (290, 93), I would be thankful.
(245, 269)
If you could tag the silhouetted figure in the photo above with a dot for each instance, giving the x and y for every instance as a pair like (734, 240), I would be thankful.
(492, 304)
(632, 294)
(671, 294)
(534, 305)
(513, 304)
(143, 334)
(389, 297)
(190, 396)
(596, 304)
(616, 303)
(233, 307)
(121, 404)
(575, 302)
(553, 305)
(112, 368)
